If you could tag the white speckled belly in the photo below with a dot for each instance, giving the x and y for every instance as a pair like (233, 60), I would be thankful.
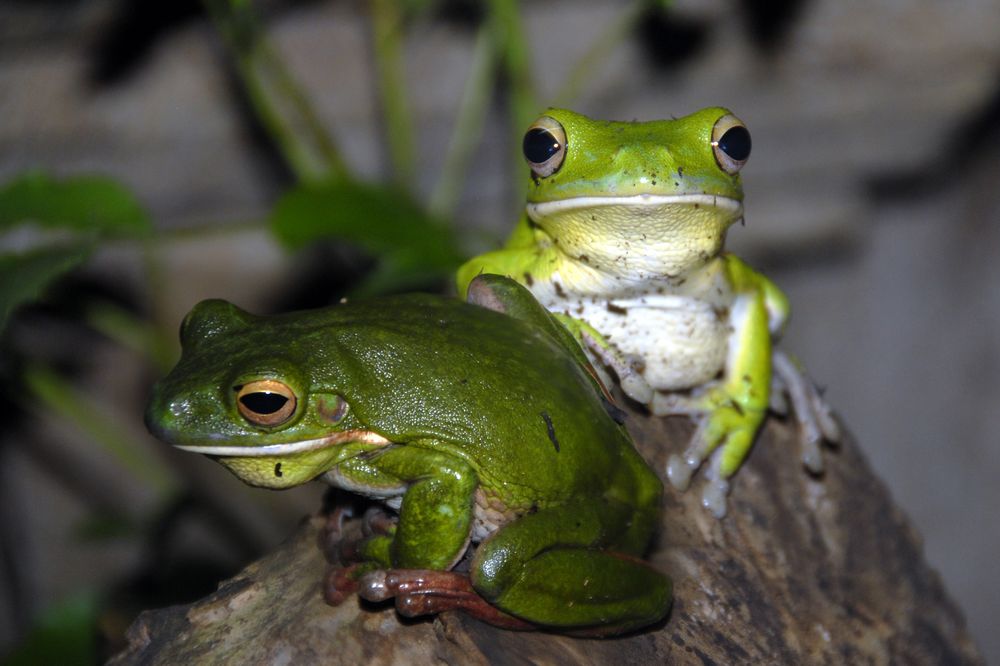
(683, 341)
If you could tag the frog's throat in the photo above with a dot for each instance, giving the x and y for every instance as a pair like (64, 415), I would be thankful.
(546, 208)
(290, 448)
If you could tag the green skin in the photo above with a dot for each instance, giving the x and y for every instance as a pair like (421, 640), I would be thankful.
(589, 244)
(446, 406)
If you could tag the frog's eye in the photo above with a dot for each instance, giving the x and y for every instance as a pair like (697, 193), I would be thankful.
(730, 143)
(544, 146)
(266, 402)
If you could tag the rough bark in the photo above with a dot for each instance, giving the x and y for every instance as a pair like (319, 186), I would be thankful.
(803, 570)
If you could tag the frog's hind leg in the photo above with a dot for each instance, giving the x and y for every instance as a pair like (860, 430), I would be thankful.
(574, 568)
(814, 415)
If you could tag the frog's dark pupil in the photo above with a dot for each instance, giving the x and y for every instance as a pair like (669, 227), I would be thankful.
(263, 402)
(736, 143)
(539, 145)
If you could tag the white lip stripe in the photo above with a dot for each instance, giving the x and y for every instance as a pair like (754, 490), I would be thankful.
(549, 207)
(364, 436)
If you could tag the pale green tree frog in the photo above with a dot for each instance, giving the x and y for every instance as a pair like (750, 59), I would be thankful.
(622, 238)
(476, 426)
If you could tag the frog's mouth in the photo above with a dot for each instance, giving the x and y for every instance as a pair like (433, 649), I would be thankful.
(546, 208)
(288, 448)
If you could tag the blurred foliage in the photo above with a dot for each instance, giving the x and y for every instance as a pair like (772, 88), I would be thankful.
(411, 247)
(50, 227)
(64, 634)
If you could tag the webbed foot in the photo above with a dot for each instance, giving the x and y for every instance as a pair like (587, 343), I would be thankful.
(424, 592)
(725, 431)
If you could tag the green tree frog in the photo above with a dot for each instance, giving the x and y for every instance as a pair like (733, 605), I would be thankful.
(476, 425)
(622, 238)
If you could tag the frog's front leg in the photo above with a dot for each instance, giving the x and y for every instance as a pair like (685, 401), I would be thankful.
(558, 568)
(629, 374)
(435, 514)
(728, 413)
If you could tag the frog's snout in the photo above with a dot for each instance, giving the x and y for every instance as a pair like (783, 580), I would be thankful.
(164, 414)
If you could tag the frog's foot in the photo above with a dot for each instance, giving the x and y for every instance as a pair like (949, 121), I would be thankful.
(725, 431)
(816, 420)
(426, 592)
(346, 541)
(340, 582)
(628, 370)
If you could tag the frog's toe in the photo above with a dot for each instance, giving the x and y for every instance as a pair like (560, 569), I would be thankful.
(636, 387)
(628, 370)
(705, 438)
(673, 404)
(713, 496)
(339, 583)
(679, 471)
(426, 592)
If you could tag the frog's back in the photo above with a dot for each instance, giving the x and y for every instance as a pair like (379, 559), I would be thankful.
(493, 390)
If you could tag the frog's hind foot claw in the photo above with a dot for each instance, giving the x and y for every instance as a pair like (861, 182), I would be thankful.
(814, 415)
(426, 592)
(332, 534)
(339, 583)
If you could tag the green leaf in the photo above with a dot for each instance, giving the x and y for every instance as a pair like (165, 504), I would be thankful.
(86, 204)
(65, 634)
(410, 245)
(23, 277)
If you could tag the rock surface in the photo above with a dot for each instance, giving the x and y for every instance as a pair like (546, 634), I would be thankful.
(802, 570)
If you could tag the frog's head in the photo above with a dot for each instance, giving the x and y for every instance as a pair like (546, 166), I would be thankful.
(242, 392)
(672, 187)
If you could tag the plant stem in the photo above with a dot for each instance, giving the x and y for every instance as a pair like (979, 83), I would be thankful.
(585, 67)
(279, 102)
(468, 125)
(59, 397)
(133, 333)
(387, 28)
(505, 20)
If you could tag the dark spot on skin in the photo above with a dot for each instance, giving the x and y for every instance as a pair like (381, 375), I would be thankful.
(680, 172)
(747, 379)
(615, 309)
(277, 470)
(584, 258)
(559, 290)
(593, 218)
(528, 280)
(551, 430)
(463, 380)
(676, 184)
(697, 206)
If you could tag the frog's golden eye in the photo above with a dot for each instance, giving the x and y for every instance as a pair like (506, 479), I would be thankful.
(730, 143)
(266, 402)
(544, 146)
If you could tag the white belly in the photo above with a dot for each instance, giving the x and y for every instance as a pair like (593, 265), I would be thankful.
(682, 341)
